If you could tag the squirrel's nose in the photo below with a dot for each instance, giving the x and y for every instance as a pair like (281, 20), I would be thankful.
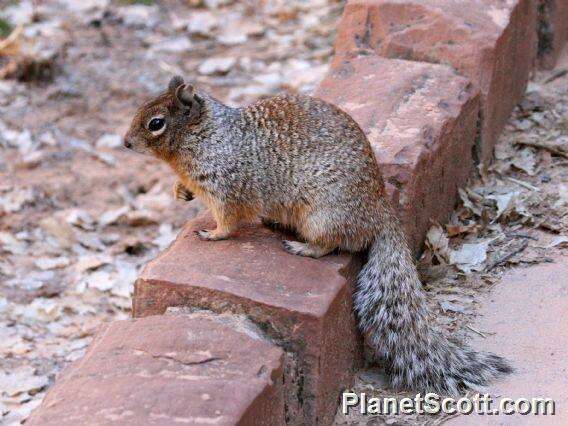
(127, 143)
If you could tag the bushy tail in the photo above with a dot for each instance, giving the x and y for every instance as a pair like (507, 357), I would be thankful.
(393, 313)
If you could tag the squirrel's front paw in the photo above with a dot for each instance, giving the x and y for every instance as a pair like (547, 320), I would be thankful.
(206, 235)
(181, 192)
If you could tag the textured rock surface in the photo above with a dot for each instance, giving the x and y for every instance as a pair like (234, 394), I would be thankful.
(492, 42)
(195, 369)
(421, 121)
(302, 303)
(553, 31)
(525, 316)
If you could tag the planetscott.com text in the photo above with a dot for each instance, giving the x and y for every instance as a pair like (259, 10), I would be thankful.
(432, 403)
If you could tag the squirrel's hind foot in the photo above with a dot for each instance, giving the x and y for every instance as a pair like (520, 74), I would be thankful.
(305, 249)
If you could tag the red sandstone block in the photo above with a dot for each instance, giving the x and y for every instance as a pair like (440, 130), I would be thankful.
(303, 304)
(421, 121)
(553, 31)
(195, 369)
(492, 42)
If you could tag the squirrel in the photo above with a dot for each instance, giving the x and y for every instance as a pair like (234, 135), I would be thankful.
(304, 164)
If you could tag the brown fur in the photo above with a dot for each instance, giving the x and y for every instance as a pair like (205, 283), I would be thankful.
(304, 164)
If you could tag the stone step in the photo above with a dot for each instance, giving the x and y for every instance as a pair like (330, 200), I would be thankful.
(421, 121)
(492, 42)
(303, 304)
(524, 319)
(188, 369)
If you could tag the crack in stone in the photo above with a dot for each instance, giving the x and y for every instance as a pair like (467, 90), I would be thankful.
(172, 358)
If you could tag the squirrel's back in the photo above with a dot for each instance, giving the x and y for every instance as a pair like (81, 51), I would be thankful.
(313, 139)
(292, 121)
(312, 153)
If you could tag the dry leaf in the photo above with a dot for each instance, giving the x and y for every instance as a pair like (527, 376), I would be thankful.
(559, 241)
(11, 244)
(448, 306)
(469, 257)
(167, 235)
(16, 199)
(62, 231)
(100, 280)
(525, 161)
(110, 217)
(20, 380)
(47, 263)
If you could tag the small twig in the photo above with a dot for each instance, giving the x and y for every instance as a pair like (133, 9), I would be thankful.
(473, 196)
(524, 184)
(476, 331)
(543, 145)
(523, 236)
(507, 256)
(548, 227)
(556, 75)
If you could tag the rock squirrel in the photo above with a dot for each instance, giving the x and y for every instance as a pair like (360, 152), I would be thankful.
(305, 164)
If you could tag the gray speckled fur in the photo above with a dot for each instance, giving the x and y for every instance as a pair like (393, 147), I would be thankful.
(303, 163)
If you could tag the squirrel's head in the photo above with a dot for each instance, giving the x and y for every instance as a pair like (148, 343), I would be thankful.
(159, 124)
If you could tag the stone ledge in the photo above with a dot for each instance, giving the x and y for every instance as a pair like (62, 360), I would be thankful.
(527, 308)
(195, 369)
(491, 42)
(421, 121)
(304, 304)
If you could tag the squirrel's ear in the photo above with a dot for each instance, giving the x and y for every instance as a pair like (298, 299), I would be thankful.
(175, 82)
(185, 99)
(184, 96)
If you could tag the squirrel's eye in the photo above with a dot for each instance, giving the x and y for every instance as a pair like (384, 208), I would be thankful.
(156, 124)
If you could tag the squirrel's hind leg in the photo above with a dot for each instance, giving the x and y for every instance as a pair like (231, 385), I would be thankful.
(275, 225)
(305, 249)
(312, 227)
